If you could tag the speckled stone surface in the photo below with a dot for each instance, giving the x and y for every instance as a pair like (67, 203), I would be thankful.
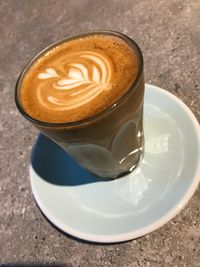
(169, 35)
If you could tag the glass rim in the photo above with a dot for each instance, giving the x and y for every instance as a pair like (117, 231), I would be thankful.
(99, 115)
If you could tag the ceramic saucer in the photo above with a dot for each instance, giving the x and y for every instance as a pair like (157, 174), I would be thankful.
(99, 210)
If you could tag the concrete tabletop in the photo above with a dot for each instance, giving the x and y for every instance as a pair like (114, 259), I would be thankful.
(169, 34)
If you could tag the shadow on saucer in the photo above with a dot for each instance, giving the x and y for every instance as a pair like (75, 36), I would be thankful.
(55, 166)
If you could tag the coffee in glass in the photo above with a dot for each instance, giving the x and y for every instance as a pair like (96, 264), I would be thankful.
(86, 93)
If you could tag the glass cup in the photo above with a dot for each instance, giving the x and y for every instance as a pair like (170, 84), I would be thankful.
(110, 144)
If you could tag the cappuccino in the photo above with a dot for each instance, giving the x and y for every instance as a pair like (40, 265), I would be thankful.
(86, 94)
(78, 78)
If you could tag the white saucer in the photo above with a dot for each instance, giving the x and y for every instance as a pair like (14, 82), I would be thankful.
(92, 209)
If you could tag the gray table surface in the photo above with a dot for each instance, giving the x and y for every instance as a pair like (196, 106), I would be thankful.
(169, 34)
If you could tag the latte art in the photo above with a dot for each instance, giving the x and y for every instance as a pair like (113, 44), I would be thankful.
(83, 76)
(78, 78)
(86, 93)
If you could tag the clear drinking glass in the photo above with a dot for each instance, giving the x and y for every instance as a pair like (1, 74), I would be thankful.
(110, 143)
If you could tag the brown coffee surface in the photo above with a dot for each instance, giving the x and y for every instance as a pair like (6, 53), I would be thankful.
(78, 78)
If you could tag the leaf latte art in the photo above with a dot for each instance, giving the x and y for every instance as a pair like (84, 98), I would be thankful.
(80, 78)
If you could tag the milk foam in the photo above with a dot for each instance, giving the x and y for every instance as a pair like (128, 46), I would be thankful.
(86, 75)
(78, 78)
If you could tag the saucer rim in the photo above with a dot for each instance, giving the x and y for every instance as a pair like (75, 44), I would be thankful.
(147, 229)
